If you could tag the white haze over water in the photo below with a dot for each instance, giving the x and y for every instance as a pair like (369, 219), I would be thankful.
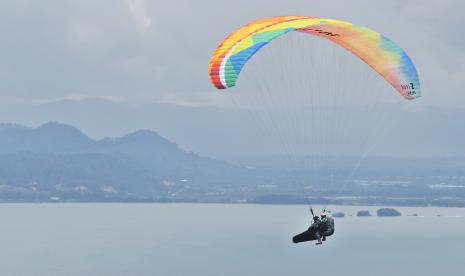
(223, 240)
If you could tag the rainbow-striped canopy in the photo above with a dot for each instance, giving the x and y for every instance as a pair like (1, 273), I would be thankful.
(379, 52)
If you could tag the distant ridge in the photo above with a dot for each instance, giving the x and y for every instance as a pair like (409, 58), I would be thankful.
(58, 162)
(49, 137)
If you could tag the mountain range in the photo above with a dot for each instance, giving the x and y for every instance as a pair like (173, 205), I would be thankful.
(58, 162)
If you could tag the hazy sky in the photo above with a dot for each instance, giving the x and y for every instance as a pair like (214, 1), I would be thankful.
(112, 66)
(141, 51)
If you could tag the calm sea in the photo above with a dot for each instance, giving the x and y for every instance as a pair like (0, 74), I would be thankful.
(229, 240)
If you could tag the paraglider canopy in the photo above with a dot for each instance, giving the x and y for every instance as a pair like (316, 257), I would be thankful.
(376, 50)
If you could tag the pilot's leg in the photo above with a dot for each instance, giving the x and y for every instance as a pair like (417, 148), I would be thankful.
(318, 237)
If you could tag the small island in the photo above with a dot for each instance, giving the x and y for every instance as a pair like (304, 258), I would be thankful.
(363, 213)
(388, 212)
(339, 215)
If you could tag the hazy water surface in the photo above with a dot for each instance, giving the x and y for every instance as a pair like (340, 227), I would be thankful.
(230, 240)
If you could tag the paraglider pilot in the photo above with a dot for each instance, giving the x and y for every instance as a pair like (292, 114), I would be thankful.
(320, 228)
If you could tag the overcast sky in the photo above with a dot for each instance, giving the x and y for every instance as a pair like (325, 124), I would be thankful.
(158, 51)
(113, 66)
